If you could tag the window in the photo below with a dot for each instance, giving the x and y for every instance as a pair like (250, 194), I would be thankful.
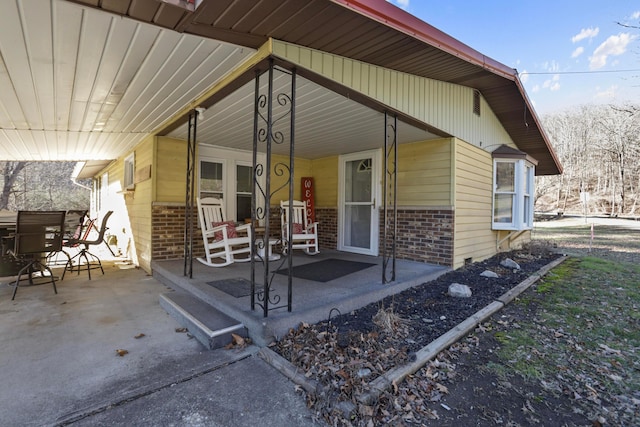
(227, 174)
(513, 189)
(244, 183)
(129, 171)
(212, 179)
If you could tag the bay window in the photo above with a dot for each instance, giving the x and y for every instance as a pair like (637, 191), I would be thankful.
(513, 189)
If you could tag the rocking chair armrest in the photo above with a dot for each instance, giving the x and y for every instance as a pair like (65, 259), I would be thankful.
(210, 232)
(312, 226)
(243, 227)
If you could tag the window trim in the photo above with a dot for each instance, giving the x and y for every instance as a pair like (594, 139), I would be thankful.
(522, 193)
(230, 159)
(129, 172)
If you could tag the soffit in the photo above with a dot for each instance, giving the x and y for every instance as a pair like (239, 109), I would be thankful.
(80, 84)
(326, 123)
(372, 31)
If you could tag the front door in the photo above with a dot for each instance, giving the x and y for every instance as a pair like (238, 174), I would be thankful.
(358, 202)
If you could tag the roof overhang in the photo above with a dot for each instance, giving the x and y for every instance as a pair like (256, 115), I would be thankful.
(372, 31)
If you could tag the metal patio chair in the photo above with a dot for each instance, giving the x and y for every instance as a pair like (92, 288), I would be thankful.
(91, 261)
(37, 234)
(74, 224)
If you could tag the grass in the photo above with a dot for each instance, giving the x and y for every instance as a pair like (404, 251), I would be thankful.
(585, 329)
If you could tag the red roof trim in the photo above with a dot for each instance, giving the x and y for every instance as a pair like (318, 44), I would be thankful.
(394, 17)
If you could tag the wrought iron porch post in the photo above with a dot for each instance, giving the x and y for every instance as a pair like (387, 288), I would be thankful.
(390, 213)
(266, 131)
(190, 194)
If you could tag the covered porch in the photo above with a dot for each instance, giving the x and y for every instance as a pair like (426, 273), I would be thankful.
(313, 301)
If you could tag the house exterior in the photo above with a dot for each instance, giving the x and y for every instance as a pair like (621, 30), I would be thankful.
(391, 116)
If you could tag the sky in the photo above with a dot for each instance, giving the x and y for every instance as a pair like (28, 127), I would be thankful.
(568, 53)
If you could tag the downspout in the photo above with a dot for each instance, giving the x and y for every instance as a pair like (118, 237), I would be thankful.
(73, 180)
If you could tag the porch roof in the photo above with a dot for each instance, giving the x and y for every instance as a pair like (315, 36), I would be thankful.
(90, 86)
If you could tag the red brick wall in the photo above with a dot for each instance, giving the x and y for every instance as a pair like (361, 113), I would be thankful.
(423, 235)
(167, 233)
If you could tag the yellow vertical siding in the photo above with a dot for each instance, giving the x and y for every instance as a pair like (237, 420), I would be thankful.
(131, 221)
(473, 237)
(302, 168)
(171, 157)
(446, 106)
(424, 173)
(325, 179)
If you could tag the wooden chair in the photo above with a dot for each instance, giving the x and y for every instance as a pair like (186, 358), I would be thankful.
(294, 223)
(37, 233)
(223, 240)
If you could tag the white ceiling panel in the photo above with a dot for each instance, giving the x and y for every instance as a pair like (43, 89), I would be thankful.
(81, 84)
(77, 83)
(326, 122)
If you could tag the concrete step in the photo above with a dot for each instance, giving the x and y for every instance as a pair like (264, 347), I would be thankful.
(210, 326)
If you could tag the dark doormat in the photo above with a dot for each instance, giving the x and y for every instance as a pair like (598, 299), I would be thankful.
(236, 287)
(326, 270)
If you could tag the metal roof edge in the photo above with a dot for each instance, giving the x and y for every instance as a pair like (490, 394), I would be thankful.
(392, 16)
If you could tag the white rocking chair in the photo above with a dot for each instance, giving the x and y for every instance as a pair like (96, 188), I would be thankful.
(222, 239)
(304, 235)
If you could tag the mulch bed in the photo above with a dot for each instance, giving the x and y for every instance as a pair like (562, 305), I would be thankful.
(344, 354)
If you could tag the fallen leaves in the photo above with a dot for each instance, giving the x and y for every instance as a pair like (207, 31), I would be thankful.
(121, 352)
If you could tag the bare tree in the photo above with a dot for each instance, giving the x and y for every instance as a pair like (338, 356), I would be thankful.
(10, 173)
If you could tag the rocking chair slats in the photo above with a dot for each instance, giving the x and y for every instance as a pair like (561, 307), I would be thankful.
(304, 234)
(222, 239)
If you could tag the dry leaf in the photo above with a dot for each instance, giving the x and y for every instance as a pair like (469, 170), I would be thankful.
(121, 352)
(139, 336)
(442, 388)
(181, 330)
(238, 340)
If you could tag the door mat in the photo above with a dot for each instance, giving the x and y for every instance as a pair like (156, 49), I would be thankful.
(326, 270)
(236, 287)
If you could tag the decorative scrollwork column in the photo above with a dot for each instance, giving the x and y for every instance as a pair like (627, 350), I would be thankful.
(390, 214)
(272, 113)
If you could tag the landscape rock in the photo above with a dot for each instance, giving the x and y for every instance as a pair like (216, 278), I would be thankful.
(489, 273)
(509, 263)
(459, 291)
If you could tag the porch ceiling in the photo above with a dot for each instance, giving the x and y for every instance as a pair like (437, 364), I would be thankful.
(77, 83)
(326, 123)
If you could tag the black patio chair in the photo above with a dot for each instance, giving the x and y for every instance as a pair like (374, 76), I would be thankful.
(74, 224)
(37, 233)
(91, 261)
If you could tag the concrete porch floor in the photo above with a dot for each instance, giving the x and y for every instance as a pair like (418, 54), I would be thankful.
(312, 301)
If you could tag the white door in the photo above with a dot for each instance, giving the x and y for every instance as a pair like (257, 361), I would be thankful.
(358, 202)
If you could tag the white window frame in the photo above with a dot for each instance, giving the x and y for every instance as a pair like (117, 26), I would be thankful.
(523, 191)
(129, 171)
(230, 159)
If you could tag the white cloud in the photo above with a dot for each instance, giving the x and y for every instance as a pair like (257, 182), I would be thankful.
(579, 50)
(553, 83)
(551, 66)
(608, 93)
(403, 4)
(524, 76)
(535, 89)
(585, 33)
(635, 15)
(613, 46)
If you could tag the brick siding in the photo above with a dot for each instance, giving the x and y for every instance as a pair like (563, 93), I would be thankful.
(423, 235)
